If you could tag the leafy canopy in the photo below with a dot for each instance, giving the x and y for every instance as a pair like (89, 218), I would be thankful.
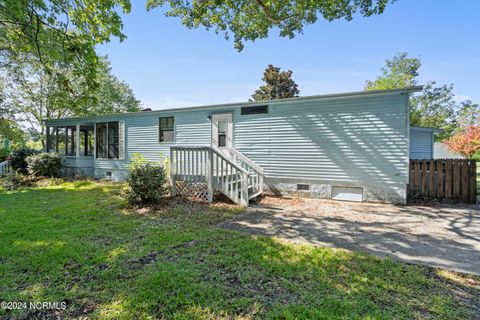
(398, 72)
(248, 20)
(59, 32)
(434, 107)
(466, 143)
(278, 85)
(32, 95)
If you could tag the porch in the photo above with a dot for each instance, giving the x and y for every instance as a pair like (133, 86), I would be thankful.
(76, 144)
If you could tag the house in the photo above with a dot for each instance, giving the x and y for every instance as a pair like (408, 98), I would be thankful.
(351, 146)
(441, 151)
(422, 142)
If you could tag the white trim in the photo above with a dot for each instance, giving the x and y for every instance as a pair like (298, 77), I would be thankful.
(229, 138)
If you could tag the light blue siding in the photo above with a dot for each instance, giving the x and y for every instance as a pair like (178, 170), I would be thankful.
(421, 144)
(352, 140)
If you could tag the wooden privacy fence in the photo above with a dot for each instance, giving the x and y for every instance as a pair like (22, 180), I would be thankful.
(450, 179)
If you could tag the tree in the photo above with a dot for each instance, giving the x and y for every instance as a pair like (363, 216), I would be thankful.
(34, 95)
(9, 128)
(399, 72)
(249, 20)
(435, 107)
(468, 114)
(59, 32)
(466, 143)
(279, 85)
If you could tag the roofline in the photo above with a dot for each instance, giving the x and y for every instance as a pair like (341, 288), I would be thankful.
(250, 103)
(435, 130)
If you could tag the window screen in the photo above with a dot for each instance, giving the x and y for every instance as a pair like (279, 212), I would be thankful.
(166, 129)
(254, 110)
(108, 140)
(71, 139)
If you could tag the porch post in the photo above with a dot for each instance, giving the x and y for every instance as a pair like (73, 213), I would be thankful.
(77, 138)
(210, 175)
(172, 173)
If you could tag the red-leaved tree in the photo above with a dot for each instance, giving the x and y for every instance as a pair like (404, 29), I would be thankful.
(466, 143)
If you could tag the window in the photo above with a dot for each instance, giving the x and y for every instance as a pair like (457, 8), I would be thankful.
(61, 140)
(102, 140)
(167, 129)
(222, 133)
(108, 140)
(113, 140)
(303, 187)
(70, 140)
(51, 139)
(254, 110)
(86, 141)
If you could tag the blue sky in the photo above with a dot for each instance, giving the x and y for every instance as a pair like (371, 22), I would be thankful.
(168, 65)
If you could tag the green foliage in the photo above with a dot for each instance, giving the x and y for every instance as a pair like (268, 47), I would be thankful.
(34, 95)
(18, 159)
(278, 85)
(12, 181)
(45, 165)
(434, 107)
(4, 154)
(59, 32)
(468, 114)
(399, 72)
(249, 20)
(147, 183)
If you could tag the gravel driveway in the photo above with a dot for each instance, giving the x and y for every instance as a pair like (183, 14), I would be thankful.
(439, 236)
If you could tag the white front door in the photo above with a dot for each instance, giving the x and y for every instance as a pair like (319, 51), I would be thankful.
(222, 130)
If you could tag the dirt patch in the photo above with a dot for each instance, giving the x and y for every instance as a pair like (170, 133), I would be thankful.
(279, 201)
(141, 262)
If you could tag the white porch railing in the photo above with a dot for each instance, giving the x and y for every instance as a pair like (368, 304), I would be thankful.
(202, 170)
(5, 167)
(255, 177)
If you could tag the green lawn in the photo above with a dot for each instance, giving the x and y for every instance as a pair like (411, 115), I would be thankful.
(77, 243)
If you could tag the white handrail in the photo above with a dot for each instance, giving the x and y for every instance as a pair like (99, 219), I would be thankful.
(237, 154)
(5, 167)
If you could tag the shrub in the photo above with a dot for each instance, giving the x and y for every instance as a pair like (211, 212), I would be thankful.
(147, 183)
(4, 154)
(18, 158)
(44, 165)
(14, 181)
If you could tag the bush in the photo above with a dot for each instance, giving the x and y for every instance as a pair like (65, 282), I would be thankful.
(4, 154)
(44, 165)
(12, 181)
(18, 158)
(147, 183)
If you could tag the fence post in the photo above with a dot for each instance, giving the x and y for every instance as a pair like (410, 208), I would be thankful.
(473, 182)
(172, 173)
(210, 175)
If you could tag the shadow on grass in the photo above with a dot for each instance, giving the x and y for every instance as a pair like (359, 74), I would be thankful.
(75, 243)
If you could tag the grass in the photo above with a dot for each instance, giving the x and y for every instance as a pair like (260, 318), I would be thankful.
(76, 242)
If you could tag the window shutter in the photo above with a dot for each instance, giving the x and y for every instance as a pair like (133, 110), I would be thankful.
(121, 140)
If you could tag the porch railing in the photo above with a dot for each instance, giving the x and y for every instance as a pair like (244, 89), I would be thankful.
(5, 167)
(255, 177)
(202, 170)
